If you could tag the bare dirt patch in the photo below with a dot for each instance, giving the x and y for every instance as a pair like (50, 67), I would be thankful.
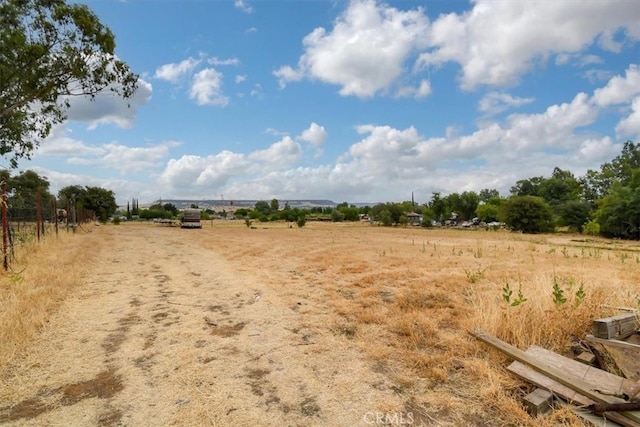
(329, 325)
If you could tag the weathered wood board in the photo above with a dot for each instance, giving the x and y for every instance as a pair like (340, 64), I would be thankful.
(596, 378)
(625, 354)
(618, 327)
(559, 373)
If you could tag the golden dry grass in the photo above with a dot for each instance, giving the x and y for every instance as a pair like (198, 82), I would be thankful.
(41, 277)
(406, 298)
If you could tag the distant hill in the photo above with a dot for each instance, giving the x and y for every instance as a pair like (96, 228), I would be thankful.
(206, 204)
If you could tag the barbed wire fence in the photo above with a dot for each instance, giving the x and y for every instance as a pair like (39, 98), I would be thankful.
(34, 223)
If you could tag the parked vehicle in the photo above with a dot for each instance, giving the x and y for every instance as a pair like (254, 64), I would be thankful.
(191, 219)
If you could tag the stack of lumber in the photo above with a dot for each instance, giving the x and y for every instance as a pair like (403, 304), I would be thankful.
(611, 396)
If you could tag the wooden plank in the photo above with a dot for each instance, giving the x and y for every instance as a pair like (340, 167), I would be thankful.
(627, 360)
(574, 382)
(619, 327)
(625, 354)
(613, 342)
(593, 419)
(594, 377)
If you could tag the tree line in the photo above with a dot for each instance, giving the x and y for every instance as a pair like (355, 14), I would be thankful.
(28, 189)
(604, 201)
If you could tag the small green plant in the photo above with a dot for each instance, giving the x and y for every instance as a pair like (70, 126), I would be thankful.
(558, 293)
(565, 252)
(507, 294)
(16, 277)
(247, 222)
(301, 222)
(551, 251)
(478, 253)
(474, 275)
(580, 295)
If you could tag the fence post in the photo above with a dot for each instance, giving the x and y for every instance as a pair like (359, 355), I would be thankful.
(5, 228)
(73, 212)
(68, 213)
(38, 214)
(55, 214)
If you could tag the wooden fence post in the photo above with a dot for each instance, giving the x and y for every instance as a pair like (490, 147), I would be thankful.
(55, 214)
(5, 228)
(38, 214)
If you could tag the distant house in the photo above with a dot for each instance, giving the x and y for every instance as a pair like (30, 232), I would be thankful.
(414, 218)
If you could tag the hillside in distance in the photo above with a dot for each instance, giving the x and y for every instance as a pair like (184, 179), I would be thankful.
(217, 204)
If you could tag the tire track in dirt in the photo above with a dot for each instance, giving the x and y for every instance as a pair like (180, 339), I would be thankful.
(165, 331)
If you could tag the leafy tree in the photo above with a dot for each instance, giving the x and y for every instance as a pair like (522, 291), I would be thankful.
(387, 213)
(275, 205)
(488, 194)
(24, 188)
(618, 211)
(171, 208)
(101, 201)
(337, 216)
(529, 214)
(439, 207)
(263, 207)
(489, 211)
(350, 213)
(51, 51)
(464, 204)
(241, 213)
(385, 218)
(65, 194)
(527, 187)
(427, 217)
(574, 213)
(560, 188)
(596, 184)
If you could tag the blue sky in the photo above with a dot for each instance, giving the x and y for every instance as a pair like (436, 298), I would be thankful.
(360, 101)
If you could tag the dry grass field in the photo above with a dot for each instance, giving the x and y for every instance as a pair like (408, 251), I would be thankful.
(331, 325)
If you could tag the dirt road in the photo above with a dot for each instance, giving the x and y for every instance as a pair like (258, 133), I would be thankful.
(169, 328)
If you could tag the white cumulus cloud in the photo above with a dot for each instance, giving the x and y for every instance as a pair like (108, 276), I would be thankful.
(315, 135)
(174, 71)
(498, 41)
(109, 108)
(619, 89)
(364, 53)
(630, 126)
(496, 102)
(206, 88)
